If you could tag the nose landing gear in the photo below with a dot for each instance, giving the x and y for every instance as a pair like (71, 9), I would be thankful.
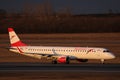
(102, 61)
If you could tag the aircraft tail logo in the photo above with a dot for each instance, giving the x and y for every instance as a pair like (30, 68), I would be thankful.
(14, 39)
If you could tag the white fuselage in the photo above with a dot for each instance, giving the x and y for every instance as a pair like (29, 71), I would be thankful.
(58, 54)
(72, 52)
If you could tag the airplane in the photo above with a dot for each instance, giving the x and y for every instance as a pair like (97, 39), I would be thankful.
(58, 54)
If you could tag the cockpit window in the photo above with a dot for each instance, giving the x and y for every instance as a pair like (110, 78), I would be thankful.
(106, 51)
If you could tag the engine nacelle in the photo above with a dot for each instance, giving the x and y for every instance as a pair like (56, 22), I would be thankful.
(82, 60)
(63, 59)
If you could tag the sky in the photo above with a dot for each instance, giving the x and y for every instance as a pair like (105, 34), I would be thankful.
(76, 6)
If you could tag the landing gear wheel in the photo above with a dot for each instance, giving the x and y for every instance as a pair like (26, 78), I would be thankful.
(54, 62)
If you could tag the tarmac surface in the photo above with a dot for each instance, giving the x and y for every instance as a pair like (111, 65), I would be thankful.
(38, 71)
(84, 67)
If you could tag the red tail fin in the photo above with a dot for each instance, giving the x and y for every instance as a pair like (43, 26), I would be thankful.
(14, 39)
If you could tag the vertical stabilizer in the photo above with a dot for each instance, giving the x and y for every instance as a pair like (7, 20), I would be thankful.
(14, 39)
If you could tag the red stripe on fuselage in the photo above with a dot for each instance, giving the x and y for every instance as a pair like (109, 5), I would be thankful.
(19, 50)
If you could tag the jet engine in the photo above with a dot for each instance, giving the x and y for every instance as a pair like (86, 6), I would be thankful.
(62, 59)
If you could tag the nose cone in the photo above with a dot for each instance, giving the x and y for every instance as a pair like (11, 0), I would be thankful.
(111, 56)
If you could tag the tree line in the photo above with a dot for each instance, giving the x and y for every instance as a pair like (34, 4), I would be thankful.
(43, 19)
